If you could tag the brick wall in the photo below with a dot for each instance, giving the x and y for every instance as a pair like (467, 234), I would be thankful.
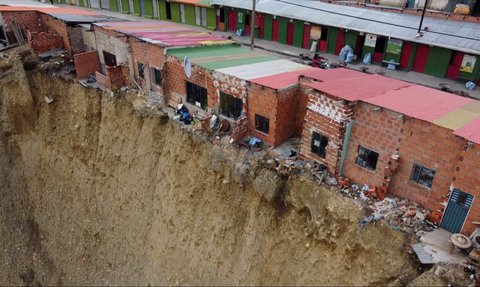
(86, 64)
(26, 20)
(58, 27)
(302, 98)
(467, 179)
(117, 76)
(114, 78)
(215, 83)
(44, 41)
(237, 88)
(264, 102)
(174, 83)
(329, 119)
(152, 56)
(287, 107)
(375, 130)
(103, 81)
(432, 147)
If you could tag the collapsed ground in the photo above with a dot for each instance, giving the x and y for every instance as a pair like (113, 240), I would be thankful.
(97, 189)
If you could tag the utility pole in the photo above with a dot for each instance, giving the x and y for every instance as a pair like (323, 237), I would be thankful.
(252, 26)
(423, 15)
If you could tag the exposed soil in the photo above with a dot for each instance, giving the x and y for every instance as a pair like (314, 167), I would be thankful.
(96, 191)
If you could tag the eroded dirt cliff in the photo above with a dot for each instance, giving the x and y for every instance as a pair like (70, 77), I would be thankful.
(96, 191)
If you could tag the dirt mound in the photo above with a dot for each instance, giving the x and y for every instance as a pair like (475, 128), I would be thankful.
(95, 192)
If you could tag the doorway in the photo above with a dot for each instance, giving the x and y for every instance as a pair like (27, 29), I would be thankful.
(232, 20)
(182, 13)
(359, 45)
(306, 36)
(406, 55)
(457, 210)
(454, 67)
(168, 8)
(290, 30)
(142, 7)
(379, 49)
(221, 19)
(110, 59)
(421, 58)
(340, 41)
(275, 27)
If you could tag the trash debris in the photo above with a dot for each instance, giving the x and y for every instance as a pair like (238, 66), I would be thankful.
(255, 142)
(185, 116)
(214, 122)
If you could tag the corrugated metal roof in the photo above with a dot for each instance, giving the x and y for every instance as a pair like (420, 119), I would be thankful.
(460, 114)
(255, 66)
(470, 131)
(359, 88)
(205, 3)
(455, 119)
(420, 102)
(332, 74)
(282, 80)
(456, 35)
(257, 70)
(68, 15)
(48, 10)
(165, 34)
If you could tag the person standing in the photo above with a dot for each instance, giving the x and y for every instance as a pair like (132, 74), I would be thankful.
(51, 1)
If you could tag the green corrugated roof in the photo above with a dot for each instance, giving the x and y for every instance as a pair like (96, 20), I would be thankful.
(219, 57)
(236, 62)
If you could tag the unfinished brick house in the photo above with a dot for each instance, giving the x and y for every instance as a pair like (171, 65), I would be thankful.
(47, 28)
(255, 91)
(410, 139)
(33, 30)
(140, 47)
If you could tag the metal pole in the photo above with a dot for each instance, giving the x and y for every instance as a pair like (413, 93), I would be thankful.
(252, 26)
(423, 15)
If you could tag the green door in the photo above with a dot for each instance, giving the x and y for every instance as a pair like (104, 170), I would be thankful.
(456, 211)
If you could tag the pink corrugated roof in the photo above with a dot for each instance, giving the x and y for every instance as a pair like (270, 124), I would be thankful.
(412, 100)
(470, 131)
(281, 80)
(360, 88)
(161, 32)
(47, 10)
(420, 102)
(332, 74)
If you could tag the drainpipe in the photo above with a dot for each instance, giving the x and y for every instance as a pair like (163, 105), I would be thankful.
(252, 26)
(346, 140)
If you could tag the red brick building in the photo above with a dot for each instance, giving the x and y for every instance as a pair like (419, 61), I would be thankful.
(419, 143)
(140, 48)
(256, 92)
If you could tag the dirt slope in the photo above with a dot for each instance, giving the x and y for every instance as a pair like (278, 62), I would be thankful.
(94, 191)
